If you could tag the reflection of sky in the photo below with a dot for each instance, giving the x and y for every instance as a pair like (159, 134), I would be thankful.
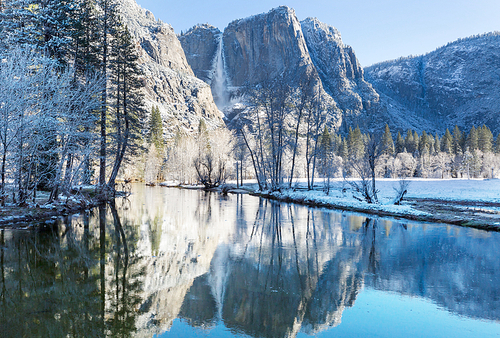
(378, 314)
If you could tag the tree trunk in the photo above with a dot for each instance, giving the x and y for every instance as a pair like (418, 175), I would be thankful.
(104, 106)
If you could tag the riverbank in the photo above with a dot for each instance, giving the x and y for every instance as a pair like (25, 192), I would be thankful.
(41, 212)
(469, 203)
(13, 215)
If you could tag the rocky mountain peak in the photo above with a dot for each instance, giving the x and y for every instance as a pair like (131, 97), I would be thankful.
(264, 46)
(170, 83)
(200, 45)
(456, 84)
(326, 31)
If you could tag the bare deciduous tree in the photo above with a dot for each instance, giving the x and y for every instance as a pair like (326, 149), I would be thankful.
(364, 167)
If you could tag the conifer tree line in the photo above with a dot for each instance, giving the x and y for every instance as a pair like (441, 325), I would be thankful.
(456, 154)
(71, 96)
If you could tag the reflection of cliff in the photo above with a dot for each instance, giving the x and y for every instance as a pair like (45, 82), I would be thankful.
(178, 238)
(284, 278)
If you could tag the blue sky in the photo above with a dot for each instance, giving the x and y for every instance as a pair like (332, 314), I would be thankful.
(378, 30)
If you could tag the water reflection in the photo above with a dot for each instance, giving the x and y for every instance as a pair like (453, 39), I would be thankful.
(72, 279)
(257, 267)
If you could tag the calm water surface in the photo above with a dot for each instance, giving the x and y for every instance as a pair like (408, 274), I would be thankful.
(183, 263)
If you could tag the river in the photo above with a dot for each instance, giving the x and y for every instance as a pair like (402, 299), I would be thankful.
(186, 263)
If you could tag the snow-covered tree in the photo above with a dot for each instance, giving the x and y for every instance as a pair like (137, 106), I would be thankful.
(44, 114)
(213, 156)
(128, 99)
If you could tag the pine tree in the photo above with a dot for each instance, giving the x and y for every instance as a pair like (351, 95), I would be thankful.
(416, 142)
(47, 25)
(356, 143)
(424, 143)
(447, 142)
(17, 24)
(387, 142)
(86, 38)
(156, 128)
(437, 143)
(344, 149)
(485, 139)
(497, 145)
(126, 78)
(325, 141)
(409, 142)
(325, 151)
(457, 141)
(431, 143)
(56, 21)
(108, 23)
(472, 139)
(400, 144)
(336, 144)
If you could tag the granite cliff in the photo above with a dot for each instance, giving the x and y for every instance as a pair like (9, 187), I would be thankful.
(200, 45)
(275, 44)
(169, 81)
(202, 71)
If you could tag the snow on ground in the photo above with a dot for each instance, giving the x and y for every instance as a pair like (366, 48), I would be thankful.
(473, 190)
(342, 196)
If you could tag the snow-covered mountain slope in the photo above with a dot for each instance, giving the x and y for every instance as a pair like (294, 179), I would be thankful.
(170, 83)
(455, 84)
(338, 67)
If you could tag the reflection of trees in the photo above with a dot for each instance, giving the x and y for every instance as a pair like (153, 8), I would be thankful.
(47, 292)
(52, 281)
(125, 298)
(286, 268)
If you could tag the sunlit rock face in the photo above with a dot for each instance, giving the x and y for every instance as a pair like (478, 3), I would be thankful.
(169, 82)
(200, 45)
(264, 46)
(338, 67)
(261, 48)
(455, 84)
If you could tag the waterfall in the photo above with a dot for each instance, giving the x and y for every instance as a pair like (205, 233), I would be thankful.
(219, 274)
(219, 90)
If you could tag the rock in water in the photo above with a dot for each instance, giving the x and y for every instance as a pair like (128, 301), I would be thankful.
(170, 83)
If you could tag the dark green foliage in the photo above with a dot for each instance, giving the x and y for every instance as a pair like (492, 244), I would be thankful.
(437, 144)
(387, 142)
(458, 141)
(447, 142)
(423, 144)
(355, 141)
(400, 144)
(472, 139)
(485, 139)
(128, 107)
(497, 145)
(156, 128)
